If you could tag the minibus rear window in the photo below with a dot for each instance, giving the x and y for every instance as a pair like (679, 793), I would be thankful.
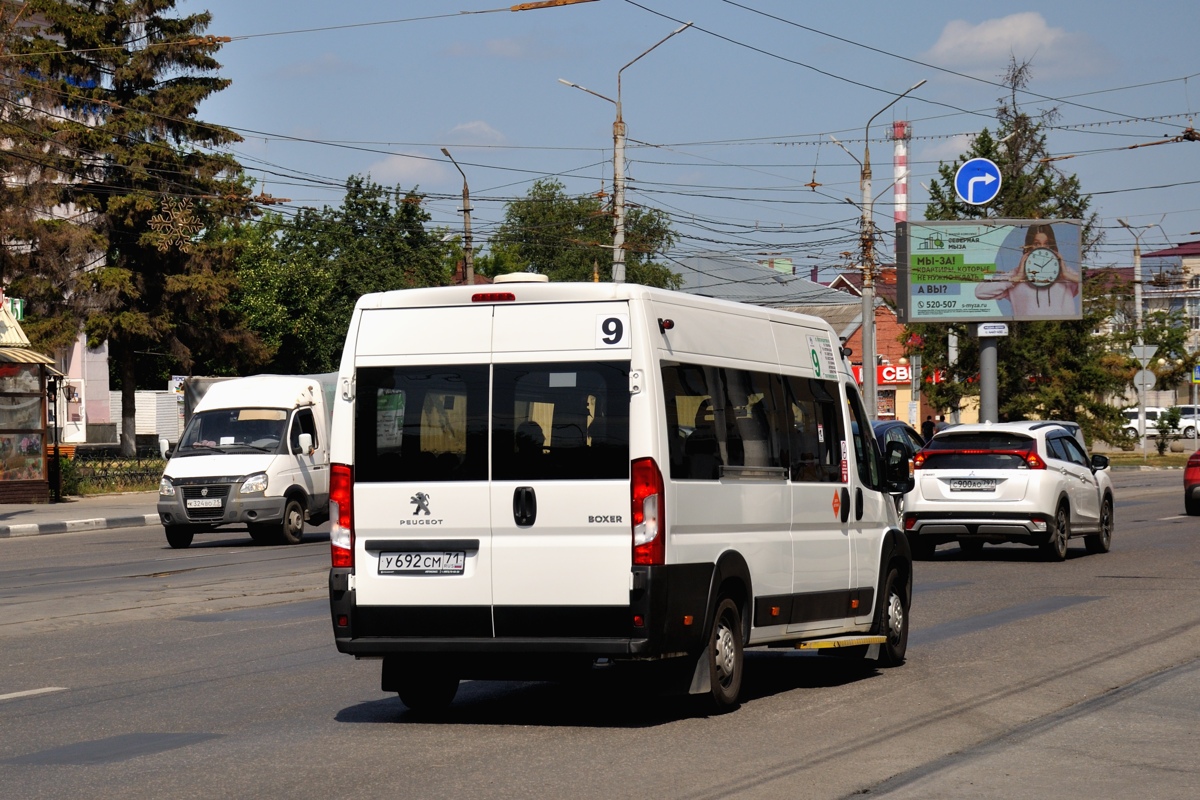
(560, 421)
(421, 424)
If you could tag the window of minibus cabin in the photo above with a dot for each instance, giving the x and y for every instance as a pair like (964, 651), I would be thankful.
(421, 424)
(866, 449)
(560, 421)
(816, 430)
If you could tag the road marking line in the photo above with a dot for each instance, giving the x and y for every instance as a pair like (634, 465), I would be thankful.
(32, 692)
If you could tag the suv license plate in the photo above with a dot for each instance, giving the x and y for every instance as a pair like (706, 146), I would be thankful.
(446, 563)
(973, 485)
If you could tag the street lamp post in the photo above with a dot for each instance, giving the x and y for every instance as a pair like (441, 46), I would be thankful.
(867, 236)
(1139, 349)
(618, 268)
(468, 255)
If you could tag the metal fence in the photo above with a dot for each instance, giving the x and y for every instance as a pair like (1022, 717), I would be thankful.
(102, 470)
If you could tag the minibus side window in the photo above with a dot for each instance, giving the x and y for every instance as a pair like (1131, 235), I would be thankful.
(722, 418)
(421, 424)
(866, 450)
(754, 427)
(560, 421)
(815, 427)
(688, 392)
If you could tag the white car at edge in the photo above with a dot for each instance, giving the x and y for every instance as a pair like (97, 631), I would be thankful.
(1026, 482)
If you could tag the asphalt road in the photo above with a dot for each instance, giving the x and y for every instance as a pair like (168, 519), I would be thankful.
(131, 670)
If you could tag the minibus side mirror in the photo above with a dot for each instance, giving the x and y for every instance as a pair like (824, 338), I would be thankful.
(898, 469)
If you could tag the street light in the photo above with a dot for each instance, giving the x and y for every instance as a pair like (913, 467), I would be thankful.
(867, 237)
(468, 256)
(1137, 231)
(1137, 271)
(618, 268)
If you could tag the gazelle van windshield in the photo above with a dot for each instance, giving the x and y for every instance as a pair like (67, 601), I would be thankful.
(229, 430)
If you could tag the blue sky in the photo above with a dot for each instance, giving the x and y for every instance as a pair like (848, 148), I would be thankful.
(727, 121)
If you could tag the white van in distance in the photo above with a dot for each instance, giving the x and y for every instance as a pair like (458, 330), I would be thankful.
(255, 452)
(531, 479)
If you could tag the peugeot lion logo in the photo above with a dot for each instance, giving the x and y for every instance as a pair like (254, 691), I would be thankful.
(421, 500)
(204, 492)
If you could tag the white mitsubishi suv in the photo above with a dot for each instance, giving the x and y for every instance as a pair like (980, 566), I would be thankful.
(1025, 482)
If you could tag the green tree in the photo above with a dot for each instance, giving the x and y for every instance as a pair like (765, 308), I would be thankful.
(300, 279)
(45, 245)
(570, 238)
(116, 84)
(1048, 370)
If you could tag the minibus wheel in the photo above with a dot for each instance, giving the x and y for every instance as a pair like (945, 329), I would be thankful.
(725, 655)
(426, 691)
(892, 621)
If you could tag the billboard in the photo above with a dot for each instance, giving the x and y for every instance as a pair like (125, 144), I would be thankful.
(989, 270)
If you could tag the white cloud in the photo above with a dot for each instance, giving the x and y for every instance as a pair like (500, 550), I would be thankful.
(475, 132)
(407, 170)
(984, 49)
(946, 149)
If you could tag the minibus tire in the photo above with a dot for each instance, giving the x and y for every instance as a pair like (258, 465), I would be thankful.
(428, 691)
(891, 620)
(725, 657)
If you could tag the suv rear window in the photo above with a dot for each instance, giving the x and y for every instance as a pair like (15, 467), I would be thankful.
(978, 450)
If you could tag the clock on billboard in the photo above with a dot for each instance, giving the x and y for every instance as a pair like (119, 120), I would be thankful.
(1042, 267)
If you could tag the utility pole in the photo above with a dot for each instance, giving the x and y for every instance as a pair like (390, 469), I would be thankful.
(468, 254)
(867, 246)
(618, 268)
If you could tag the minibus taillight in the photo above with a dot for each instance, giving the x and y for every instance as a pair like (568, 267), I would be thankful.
(648, 509)
(341, 516)
(493, 297)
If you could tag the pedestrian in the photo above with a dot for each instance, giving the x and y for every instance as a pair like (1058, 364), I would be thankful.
(941, 423)
(927, 428)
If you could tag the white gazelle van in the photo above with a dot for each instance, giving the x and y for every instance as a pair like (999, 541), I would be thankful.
(530, 478)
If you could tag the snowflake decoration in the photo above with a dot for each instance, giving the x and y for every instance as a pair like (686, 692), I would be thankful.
(176, 225)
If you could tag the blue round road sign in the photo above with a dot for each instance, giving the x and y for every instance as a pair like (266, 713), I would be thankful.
(977, 181)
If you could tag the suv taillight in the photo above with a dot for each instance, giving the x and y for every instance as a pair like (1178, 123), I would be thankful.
(341, 515)
(918, 459)
(1034, 461)
(648, 508)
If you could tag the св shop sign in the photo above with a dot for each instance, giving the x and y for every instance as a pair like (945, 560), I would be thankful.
(893, 374)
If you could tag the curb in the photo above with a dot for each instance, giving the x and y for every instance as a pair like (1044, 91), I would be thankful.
(96, 524)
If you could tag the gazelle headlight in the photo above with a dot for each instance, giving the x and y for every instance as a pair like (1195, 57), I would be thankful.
(255, 483)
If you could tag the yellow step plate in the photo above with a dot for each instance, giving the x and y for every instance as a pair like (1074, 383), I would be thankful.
(841, 641)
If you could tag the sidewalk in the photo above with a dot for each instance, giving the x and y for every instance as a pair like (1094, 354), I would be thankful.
(94, 512)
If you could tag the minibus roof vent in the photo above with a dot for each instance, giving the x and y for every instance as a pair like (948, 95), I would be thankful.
(521, 277)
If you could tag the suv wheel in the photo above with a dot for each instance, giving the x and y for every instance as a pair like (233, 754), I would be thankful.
(1101, 541)
(1055, 548)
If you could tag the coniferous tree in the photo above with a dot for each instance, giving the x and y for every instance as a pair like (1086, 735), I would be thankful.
(115, 85)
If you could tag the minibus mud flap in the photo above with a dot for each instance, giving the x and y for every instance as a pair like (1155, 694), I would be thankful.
(729, 567)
